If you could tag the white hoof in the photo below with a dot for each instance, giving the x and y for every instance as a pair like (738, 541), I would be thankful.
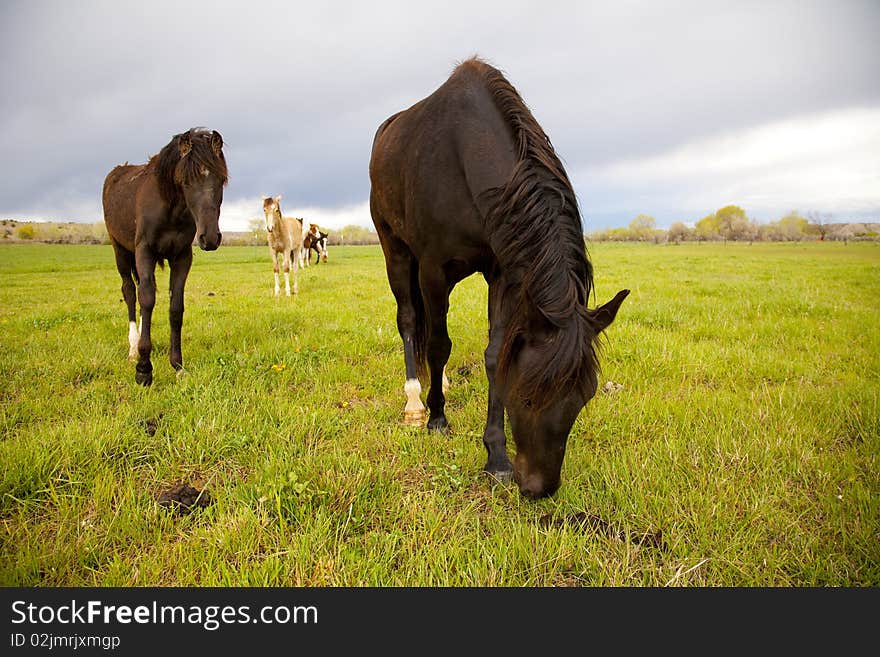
(414, 418)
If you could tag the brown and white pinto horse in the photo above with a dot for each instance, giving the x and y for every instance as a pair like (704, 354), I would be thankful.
(153, 212)
(314, 239)
(284, 235)
(466, 181)
(319, 246)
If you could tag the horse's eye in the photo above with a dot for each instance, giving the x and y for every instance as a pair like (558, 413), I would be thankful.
(527, 403)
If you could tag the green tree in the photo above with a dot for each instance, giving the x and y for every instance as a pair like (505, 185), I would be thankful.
(353, 234)
(643, 227)
(733, 224)
(257, 228)
(25, 232)
(793, 226)
(707, 228)
(678, 232)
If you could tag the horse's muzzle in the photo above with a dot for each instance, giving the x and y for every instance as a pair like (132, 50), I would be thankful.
(210, 243)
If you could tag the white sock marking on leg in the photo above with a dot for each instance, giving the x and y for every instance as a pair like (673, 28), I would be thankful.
(133, 337)
(413, 390)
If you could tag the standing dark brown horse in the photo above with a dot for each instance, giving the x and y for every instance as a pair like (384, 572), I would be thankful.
(466, 181)
(153, 212)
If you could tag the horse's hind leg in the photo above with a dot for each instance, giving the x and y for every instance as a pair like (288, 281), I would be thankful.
(295, 262)
(402, 270)
(146, 269)
(180, 267)
(435, 292)
(125, 265)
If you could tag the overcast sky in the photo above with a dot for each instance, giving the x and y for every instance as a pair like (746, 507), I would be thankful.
(672, 109)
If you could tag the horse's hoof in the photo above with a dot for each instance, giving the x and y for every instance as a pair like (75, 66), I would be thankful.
(132, 356)
(500, 476)
(181, 373)
(438, 424)
(144, 378)
(414, 418)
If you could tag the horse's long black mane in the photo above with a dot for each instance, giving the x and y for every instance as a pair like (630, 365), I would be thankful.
(173, 170)
(538, 200)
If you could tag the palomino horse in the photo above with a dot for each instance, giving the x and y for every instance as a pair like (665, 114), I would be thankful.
(284, 235)
(466, 181)
(152, 212)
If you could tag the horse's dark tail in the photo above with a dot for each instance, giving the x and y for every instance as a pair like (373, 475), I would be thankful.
(420, 333)
(134, 270)
(125, 262)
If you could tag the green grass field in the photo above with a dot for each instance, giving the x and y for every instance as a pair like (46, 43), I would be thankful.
(742, 449)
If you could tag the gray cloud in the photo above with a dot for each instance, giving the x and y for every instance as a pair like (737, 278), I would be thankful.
(298, 90)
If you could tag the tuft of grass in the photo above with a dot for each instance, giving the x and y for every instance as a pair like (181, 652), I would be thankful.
(739, 447)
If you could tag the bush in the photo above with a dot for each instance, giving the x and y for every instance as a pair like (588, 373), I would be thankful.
(25, 232)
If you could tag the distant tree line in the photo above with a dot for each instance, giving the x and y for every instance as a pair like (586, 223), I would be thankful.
(731, 223)
(70, 232)
(52, 232)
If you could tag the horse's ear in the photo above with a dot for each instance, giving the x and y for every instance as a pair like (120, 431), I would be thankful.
(265, 197)
(278, 198)
(605, 314)
(185, 144)
(216, 142)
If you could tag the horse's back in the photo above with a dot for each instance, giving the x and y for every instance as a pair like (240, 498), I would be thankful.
(294, 230)
(119, 201)
(434, 162)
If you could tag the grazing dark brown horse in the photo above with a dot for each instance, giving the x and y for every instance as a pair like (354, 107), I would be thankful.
(153, 212)
(466, 181)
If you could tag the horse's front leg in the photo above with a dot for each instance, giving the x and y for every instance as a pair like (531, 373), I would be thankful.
(285, 258)
(146, 268)
(498, 464)
(435, 293)
(274, 257)
(180, 267)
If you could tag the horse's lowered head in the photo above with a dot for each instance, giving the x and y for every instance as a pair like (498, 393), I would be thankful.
(200, 174)
(543, 402)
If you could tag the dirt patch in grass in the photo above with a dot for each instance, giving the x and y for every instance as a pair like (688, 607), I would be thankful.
(183, 498)
(150, 425)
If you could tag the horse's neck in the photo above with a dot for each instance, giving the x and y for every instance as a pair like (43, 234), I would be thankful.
(178, 213)
(278, 239)
(283, 237)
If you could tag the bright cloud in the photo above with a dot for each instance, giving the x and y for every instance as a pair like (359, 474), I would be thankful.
(237, 215)
(827, 162)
